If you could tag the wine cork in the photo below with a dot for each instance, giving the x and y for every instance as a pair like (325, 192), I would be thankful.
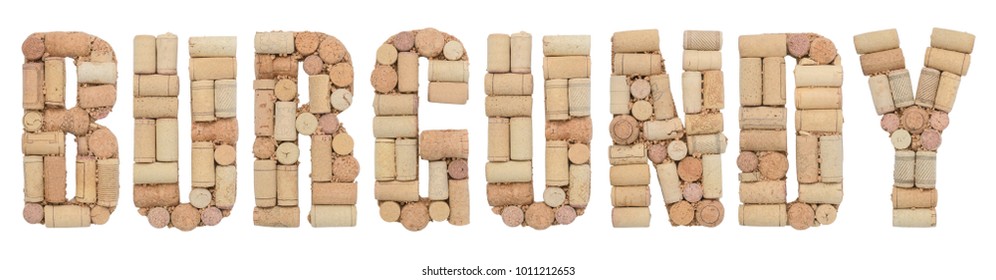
(34, 177)
(396, 190)
(751, 81)
(287, 193)
(578, 153)
(693, 60)
(457, 169)
(667, 176)
(213, 68)
(939, 120)
(630, 196)
(883, 61)
(265, 182)
(55, 81)
(438, 180)
(321, 158)
(522, 52)
(826, 214)
(691, 88)
(202, 164)
(499, 53)
(384, 78)
(33, 47)
(830, 121)
(318, 94)
(819, 76)
(765, 45)
(145, 140)
(145, 54)
(557, 99)
(341, 74)
(508, 84)
(709, 213)
(448, 71)
(926, 90)
(156, 173)
(914, 217)
(276, 216)
(926, 169)
(384, 162)
(706, 123)
(747, 161)
(818, 98)
(915, 120)
(225, 186)
(903, 169)
(579, 97)
(274, 42)
(579, 185)
(773, 81)
(406, 159)
(947, 90)
(211, 216)
(448, 93)
(264, 113)
(947, 61)
(676, 150)
(566, 45)
(662, 130)
(510, 194)
(539, 216)
(832, 193)
(202, 95)
(632, 64)
(618, 95)
(440, 144)
(498, 139)
(627, 154)
(395, 104)
(331, 193)
(224, 131)
(166, 48)
(313, 65)
(331, 50)
(459, 202)
(702, 40)
(86, 180)
(285, 90)
(801, 216)
(97, 96)
(387, 54)
(345, 169)
(102, 143)
(264, 66)
(342, 144)
(395, 126)
(640, 88)
(951, 40)
(573, 130)
(712, 90)
(407, 72)
(332, 216)
(876, 41)
(642, 110)
(806, 157)
(64, 216)
(763, 215)
(566, 67)
(511, 106)
(707, 144)
(881, 94)
(901, 87)
(690, 169)
(107, 182)
(681, 213)
(200, 198)
(623, 217)
(712, 177)
(67, 44)
(772, 165)
(429, 42)
(213, 46)
(508, 172)
(658, 152)
(889, 122)
(630, 174)
(765, 118)
(762, 140)
(306, 123)
(636, 41)
(557, 166)
(565, 215)
(520, 138)
(831, 159)
(166, 139)
(390, 211)
(914, 198)
(33, 84)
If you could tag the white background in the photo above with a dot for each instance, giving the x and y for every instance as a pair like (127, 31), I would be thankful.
(862, 242)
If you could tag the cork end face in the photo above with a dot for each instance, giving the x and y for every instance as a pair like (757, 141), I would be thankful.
(158, 217)
(99, 215)
(565, 215)
(801, 216)
(709, 213)
(539, 216)
(414, 216)
(185, 217)
(211, 216)
(512, 216)
(33, 213)
(681, 213)
(33, 47)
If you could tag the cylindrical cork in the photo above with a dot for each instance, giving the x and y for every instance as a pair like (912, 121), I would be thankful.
(166, 139)
(521, 52)
(947, 61)
(631, 196)
(265, 183)
(901, 87)
(762, 140)
(63, 216)
(904, 168)
(145, 54)
(881, 94)
(763, 215)
(224, 98)
(579, 187)
(703, 40)
(691, 88)
(156, 195)
(557, 168)
(707, 144)
(34, 178)
(926, 169)
(55, 81)
(623, 217)
(962, 42)
(628, 154)
(807, 158)
(43, 143)
(818, 98)
(667, 175)
(440, 144)
(914, 217)
(332, 193)
(438, 180)
(97, 96)
(509, 171)
(509, 106)
(214, 68)
(883, 61)
(619, 95)
(566, 45)
(407, 72)
(166, 48)
(766, 118)
(693, 60)
(831, 158)
(332, 215)
(499, 53)
(396, 190)
(637, 64)
(145, 140)
(284, 121)
(508, 84)
(926, 90)
(384, 162)
(202, 164)
(819, 76)
(572, 130)
(830, 121)
(557, 99)
(319, 89)
(751, 81)
(107, 182)
(156, 173)
(763, 192)
(448, 71)
(498, 139)
(287, 193)
(321, 158)
(55, 179)
(68, 44)
(663, 130)
(712, 90)
(406, 159)
(202, 101)
(636, 41)
(712, 175)
(33, 84)
(520, 138)
(213, 46)
(913, 198)
(276, 216)
(510, 194)
(264, 112)
(773, 81)
(765, 45)
(947, 90)
(876, 41)
(629, 175)
(459, 202)
(395, 126)
(225, 186)
(274, 42)
(707, 123)
(832, 193)
(566, 67)
(86, 180)
(395, 104)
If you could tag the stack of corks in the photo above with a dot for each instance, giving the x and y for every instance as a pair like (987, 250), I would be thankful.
(398, 145)
(279, 120)
(46, 122)
(763, 159)
(914, 121)
(214, 131)
(645, 126)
